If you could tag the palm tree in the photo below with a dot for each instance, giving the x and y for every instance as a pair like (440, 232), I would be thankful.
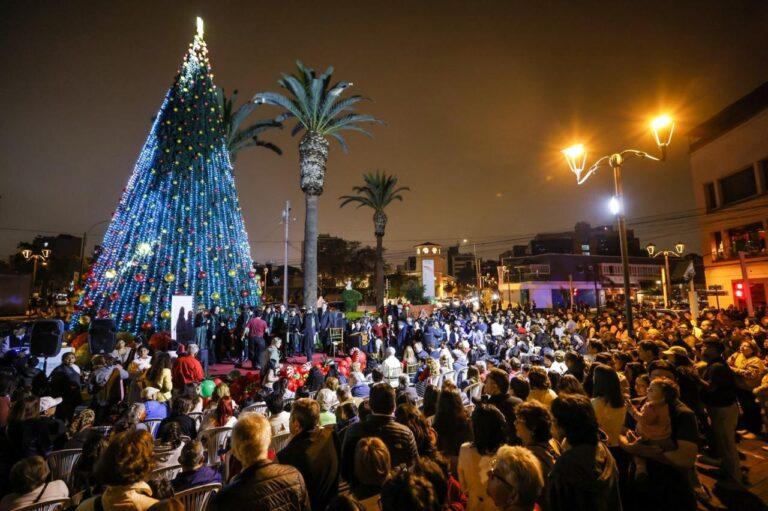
(377, 193)
(237, 138)
(321, 112)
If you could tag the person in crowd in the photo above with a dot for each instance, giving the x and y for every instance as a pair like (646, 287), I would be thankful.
(159, 376)
(448, 492)
(65, 383)
(381, 424)
(124, 468)
(346, 415)
(749, 370)
(534, 428)
(515, 481)
(29, 485)
(132, 418)
(194, 470)
(429, 405)
(32, 429)
(222, 417)
(608, 402)
(141, 362)
(327, 400)
(654, 425)
(359, 386)
(278, 417)
(540, 387)
(262, 485)
(475, 458)
(169, 445)
(187, 369)
(496, 387)
(83, 473)
(568, 384)
(180, 407)
(584, 477)
(313, 450)
(405, 490)
(720, 397)
(153, 408)
(451, 423)
(79, 429)
(426, 438)
(373, 464)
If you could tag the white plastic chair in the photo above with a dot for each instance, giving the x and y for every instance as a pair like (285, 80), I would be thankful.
(47, 505)
(215, 440)
(152, 426)
(257, 408)
(165, 473)
(197, 498)
(62, 464)
(279, 442)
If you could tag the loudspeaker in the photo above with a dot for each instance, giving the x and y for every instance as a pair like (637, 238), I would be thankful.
(101, 336)
(45, 339)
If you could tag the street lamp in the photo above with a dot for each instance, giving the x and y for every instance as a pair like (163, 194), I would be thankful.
(576, 156)
(677, 252)
(41, 257)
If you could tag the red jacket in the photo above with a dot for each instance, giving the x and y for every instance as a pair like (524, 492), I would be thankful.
(186, 370)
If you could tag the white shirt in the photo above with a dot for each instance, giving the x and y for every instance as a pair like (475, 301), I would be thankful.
(473, 477)
(279, 422)
(558, 367)
(497, 329)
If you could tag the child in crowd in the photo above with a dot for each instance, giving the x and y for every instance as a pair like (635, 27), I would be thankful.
(654, 425)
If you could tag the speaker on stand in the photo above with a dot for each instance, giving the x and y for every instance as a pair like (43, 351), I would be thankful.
(102, 336)
(45, 339)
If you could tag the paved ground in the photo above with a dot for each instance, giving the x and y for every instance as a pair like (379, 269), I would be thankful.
(730, 496)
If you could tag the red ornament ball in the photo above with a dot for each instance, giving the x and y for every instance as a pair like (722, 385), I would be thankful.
(114, 296)
(201, 274)
(244, 293)
(251, 274)
(128, 317)
(88, 303)
(139, 277)
(147, 325)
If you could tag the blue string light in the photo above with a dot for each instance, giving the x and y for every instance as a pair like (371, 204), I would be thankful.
(178, 228)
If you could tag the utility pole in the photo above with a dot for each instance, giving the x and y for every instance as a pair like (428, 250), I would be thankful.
(477, 270)
(286, 221)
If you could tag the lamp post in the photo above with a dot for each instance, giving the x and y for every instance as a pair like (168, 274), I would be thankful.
(677, 252)
(576, 156)
(42, 256)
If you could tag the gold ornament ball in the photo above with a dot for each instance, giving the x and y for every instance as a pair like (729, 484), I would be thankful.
(215, 295)
(144, 299)
(232, 273)
(150, 313)
(166, 314)
(169, 277)
(84, 320)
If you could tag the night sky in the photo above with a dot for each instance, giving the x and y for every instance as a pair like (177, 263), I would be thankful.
(479, 97)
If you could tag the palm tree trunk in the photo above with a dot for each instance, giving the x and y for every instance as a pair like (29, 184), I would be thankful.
(310, 252)
(313, 155)
(379, 270)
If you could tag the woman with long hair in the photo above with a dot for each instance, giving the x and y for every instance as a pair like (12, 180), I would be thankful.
(451, 423)
(159, 376)
(475, 458)
(410, 416)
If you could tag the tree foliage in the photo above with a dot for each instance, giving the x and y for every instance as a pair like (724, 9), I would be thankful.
(241, 138)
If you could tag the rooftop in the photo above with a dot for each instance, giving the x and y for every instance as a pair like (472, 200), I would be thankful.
(729, 117)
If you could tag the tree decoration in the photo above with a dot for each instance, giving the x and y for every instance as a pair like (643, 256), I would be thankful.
(178, 218)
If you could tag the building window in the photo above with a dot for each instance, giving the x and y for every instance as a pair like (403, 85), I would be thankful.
(748, 238)
(585, 249)
(738, 186)
(709, 196)
(764, 172)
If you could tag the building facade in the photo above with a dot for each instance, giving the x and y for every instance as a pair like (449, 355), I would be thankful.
(549, 280)
(729, 167)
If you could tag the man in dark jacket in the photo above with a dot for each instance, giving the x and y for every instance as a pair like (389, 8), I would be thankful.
(497, 389)
(314, 451)
(380, 423)
(263, 485)
(584, 477)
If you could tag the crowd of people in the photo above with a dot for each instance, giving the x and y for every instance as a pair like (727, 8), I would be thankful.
(448, 409)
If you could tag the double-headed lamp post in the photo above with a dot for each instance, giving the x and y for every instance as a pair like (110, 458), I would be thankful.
(42, 256)
(677, 252)
(576, 156)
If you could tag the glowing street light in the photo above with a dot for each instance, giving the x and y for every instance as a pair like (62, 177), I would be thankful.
(42, 257)
(576, 156)
(677, 252)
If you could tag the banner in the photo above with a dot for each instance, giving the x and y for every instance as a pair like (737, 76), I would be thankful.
(182, 318)
(428, 277)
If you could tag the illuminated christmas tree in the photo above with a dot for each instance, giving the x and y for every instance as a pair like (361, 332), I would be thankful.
(178, 228)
